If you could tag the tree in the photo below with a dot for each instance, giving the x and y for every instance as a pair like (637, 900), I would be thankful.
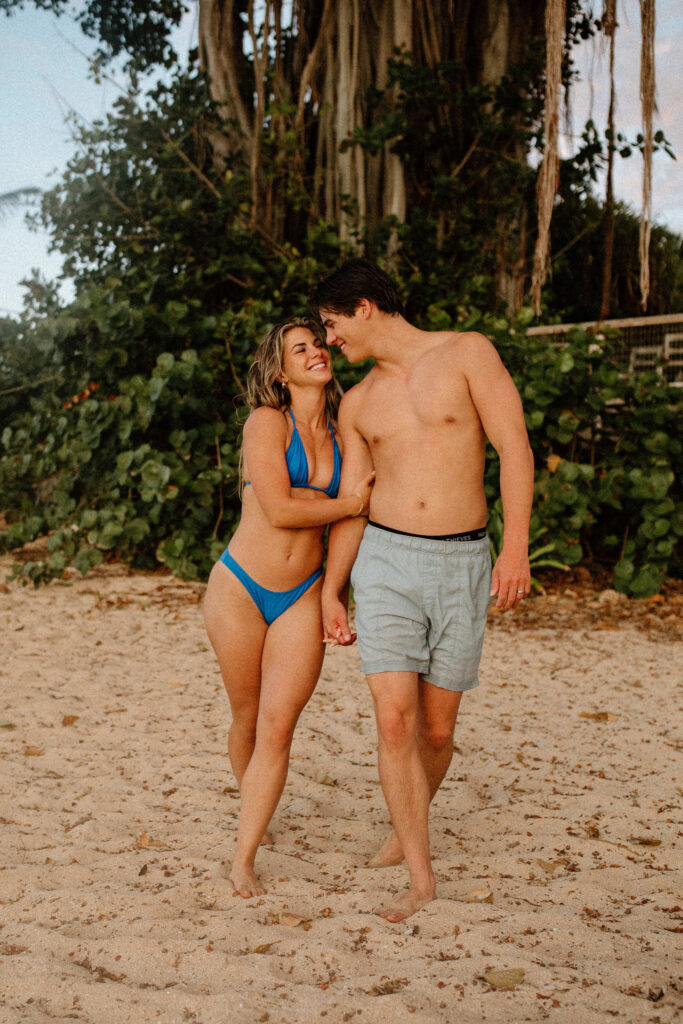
(324, 82)
(121, 411)
(309, 105)
(13, 200)
(139, 29)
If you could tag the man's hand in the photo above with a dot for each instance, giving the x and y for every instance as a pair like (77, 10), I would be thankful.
(336, 629)
(511, 578)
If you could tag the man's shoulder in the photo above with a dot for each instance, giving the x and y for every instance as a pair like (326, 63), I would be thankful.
(463, 351)
(463, 342)
(353, 399)
(355, 393)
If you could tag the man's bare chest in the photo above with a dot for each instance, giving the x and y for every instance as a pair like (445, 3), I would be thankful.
(423, 410)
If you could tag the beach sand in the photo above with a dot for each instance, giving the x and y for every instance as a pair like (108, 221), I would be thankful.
(119, 810)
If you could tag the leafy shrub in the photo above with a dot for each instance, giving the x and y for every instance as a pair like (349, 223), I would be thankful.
(607, 453)
(120, 417)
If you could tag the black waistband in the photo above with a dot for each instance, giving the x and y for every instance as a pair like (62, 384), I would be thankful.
(467, 535)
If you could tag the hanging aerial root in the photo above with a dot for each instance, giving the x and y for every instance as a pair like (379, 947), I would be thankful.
(548, 176)
(647, 103)
(609, 26)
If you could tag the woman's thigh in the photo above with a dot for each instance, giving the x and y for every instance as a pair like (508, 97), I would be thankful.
(292, 658)
(237, 632)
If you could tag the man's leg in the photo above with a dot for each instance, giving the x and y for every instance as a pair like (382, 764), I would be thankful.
(404, 783)
(437, 715)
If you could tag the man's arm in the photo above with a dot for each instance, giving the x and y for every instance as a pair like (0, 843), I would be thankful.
(500, 409)
(345, 535)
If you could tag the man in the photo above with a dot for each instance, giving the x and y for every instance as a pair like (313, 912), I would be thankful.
(422, 573)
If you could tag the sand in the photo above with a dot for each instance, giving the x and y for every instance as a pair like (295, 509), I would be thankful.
(119, 810)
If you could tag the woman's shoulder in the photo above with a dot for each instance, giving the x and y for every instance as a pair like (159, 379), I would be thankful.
(265, 420)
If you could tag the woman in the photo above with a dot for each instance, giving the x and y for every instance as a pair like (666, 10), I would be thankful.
(262, 604)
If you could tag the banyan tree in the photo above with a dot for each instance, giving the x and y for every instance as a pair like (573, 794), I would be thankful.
(381, 117)
(323, 77)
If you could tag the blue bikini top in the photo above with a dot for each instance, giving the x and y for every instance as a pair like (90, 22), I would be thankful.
(297, 463)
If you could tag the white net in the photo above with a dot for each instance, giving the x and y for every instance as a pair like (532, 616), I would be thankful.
(644, 343)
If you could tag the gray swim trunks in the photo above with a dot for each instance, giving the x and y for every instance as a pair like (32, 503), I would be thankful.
(421, 605)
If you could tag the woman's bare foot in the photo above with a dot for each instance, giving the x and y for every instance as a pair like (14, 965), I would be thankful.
(267, 839)
(389, 853)
(246, 882)
(405, 905)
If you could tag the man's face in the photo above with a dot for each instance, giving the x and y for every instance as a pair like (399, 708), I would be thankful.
(347, 333)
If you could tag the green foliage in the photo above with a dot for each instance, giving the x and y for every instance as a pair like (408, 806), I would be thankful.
(542, 552)
(574, 291)
(120, 415)
(464, 149)
(139, 29)
(607, 453)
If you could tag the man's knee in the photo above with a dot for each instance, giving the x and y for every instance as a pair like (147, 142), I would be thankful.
(438, 736)
(396, 727)
(243, 725)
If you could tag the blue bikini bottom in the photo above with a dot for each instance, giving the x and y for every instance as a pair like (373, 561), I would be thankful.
(271, 603)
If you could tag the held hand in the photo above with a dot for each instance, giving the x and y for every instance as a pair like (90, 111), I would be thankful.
(364, 489)
(510, 579)
(336, 631)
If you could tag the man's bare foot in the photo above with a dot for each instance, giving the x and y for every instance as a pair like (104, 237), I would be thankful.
(246, 882)
(405, 905)
(389, 853)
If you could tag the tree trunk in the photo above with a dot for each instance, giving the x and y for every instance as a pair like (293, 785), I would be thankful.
(609, 29)
(548, 177)
(222, 57)
(334, 53)
(647, 100)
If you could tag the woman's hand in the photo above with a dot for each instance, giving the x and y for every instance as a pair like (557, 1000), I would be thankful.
(364, 489)
(336, 630)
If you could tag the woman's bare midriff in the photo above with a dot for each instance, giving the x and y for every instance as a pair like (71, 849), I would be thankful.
(275, 557)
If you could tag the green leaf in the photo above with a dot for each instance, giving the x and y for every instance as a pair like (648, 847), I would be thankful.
(86, 559)
(647, 581)
(109, 534)
(165, 362)
(655, 528)
(124, 460)
(624, 569)
(137, 530)
(156, 386)
(176, 310)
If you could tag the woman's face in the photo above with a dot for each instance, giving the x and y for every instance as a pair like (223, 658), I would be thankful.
(306, 360)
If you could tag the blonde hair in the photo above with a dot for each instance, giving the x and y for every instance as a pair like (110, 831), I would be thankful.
(263, 386)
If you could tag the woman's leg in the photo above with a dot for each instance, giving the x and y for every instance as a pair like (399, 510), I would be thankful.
(237, 632)
(291, 662)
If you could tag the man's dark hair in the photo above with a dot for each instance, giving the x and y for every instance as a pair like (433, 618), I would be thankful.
(358, 278)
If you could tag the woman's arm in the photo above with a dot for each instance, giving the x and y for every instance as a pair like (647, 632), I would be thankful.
(265, 440)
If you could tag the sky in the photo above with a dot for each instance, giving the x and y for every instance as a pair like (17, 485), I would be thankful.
(44, 74)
